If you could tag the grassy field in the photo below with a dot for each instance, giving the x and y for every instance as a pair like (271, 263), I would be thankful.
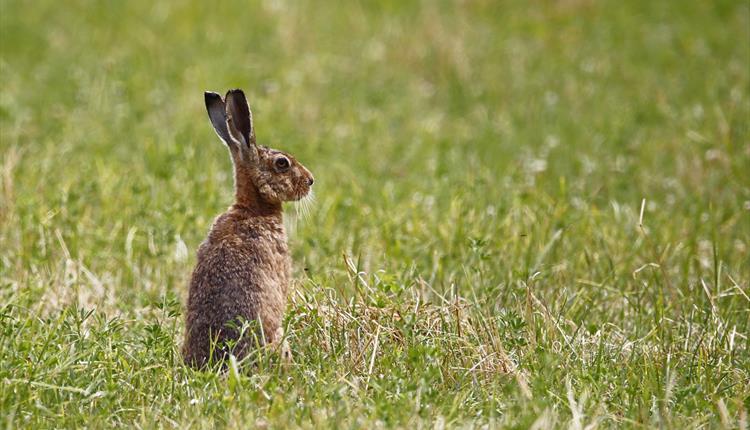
(528, 214)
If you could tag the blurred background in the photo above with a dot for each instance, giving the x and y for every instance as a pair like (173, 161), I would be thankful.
(460, 149)
(417, 119)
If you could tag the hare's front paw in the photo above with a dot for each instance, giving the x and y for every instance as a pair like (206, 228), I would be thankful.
(283, 346)
(286, 353)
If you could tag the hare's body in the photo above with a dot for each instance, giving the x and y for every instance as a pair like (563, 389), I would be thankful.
(243, 267)
(242, 275)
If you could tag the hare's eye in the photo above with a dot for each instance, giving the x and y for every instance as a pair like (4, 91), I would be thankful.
(281, 163)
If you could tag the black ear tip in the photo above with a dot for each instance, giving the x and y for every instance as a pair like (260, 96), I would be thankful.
(211, 96)
(236, 92)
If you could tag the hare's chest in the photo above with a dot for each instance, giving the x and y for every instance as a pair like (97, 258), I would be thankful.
(268, 253)
(270, 266)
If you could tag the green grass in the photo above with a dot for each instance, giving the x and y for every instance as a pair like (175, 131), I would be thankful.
(527, 213)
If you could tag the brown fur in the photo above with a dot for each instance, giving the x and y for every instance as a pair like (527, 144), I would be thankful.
(243, 267)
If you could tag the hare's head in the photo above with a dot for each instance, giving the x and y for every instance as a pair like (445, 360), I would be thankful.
(275, 175)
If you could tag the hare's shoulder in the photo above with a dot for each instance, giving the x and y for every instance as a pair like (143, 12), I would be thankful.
(245, 238)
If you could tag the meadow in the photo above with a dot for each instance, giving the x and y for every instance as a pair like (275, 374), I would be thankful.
(527, 214)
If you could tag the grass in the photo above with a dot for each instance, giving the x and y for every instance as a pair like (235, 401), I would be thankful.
(528, 214)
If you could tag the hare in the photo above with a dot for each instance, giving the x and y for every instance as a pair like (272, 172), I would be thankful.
(243, 267)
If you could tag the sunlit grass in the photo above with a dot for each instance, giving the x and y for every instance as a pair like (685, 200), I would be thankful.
(525, 213)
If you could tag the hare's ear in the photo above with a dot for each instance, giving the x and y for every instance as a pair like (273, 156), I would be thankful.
(217, 115)
(239, 118)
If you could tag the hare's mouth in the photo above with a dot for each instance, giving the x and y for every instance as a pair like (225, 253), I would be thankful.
(303, 195)
(304, 191)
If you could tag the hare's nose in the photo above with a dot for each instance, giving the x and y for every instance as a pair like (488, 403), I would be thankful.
(310, 181)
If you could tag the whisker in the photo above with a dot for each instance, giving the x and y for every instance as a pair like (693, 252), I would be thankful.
(302, 210)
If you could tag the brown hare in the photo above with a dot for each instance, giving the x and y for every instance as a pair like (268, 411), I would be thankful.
(243, 267)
